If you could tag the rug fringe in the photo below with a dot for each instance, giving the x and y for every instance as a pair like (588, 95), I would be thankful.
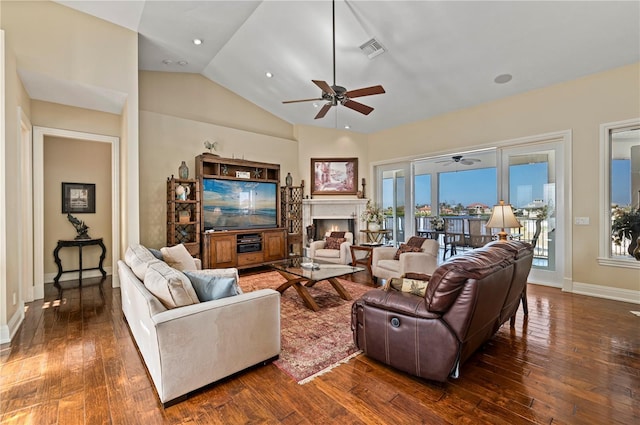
(329, 368)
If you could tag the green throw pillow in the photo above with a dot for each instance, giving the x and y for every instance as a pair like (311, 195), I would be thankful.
(214, 284)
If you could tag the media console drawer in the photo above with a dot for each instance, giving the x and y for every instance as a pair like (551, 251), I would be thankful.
(249, 258)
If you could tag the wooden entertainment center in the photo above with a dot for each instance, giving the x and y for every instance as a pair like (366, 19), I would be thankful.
(240, 248)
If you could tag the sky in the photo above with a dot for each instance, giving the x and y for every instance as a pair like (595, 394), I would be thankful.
(479, 185)
(527, 184)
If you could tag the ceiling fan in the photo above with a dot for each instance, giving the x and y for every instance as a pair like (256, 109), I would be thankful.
(337, 94)
(459, 159)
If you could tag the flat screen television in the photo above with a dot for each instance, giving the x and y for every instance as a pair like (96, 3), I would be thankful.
(238, 204)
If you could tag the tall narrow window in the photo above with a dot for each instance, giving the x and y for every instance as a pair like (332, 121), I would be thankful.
(621, 190)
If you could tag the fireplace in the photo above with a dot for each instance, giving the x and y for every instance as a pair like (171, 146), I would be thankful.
(324, 225)
(334, 214)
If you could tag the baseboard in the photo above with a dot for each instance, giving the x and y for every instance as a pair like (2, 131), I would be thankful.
(9, 330)
(599, 291)
(48, 277)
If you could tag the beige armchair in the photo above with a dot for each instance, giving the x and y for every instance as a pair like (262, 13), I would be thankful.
(342, 255)
(383, 265)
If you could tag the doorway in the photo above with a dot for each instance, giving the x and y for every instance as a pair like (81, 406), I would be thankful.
(39, 136)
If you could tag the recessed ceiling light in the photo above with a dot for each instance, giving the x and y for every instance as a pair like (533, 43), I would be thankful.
(503, 78)
(197, 41)
(315, 105)
(183, 63)
(268, 74)
(167, 61)
(347, 127)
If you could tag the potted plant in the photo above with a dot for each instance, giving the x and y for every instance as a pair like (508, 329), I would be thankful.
(625, 224)
(372, 214)
(437, 223)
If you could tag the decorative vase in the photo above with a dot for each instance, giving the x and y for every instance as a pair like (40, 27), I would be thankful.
(289, 180)
(635, 251)
(183, 171)
(373, 226)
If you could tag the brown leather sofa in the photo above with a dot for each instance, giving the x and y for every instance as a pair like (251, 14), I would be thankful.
(467, 299)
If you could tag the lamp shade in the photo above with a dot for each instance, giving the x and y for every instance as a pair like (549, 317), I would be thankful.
(502, 217)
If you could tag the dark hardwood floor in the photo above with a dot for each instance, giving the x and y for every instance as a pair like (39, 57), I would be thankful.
(576, 360)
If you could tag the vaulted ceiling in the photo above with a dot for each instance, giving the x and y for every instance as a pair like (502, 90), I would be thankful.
(439, 56)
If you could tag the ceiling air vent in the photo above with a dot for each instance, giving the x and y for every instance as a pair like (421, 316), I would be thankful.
(372, 48)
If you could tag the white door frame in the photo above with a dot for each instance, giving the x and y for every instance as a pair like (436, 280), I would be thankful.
(561, 276)
(25, 218)
(39, 134)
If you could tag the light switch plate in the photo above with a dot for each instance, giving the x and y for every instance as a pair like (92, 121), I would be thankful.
(581, 221)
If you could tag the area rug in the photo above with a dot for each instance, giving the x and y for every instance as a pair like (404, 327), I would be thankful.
(312, 342)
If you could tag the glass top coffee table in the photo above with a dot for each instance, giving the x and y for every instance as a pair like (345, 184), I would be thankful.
(303, 273)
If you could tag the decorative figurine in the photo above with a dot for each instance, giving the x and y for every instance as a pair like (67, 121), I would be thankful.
(212, 146)
(81, 228)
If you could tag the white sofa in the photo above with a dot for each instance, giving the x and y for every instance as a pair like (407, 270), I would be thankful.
(188, 347)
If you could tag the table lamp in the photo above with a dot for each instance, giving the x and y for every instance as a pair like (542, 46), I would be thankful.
(502, 217)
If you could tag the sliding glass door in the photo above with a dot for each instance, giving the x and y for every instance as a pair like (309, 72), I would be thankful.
(394, 191)
(463, 187)
(533, 184)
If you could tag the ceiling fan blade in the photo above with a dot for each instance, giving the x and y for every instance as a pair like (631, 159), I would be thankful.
(466, 162)
(324, 110)
(359, 107)
(367, 91)
(301, 100)
(324, 86)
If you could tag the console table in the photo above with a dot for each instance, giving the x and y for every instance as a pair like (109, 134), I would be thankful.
(79, 243)
(376, 236)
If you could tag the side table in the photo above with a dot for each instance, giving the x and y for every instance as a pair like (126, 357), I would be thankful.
(80, 243)
(366, 260)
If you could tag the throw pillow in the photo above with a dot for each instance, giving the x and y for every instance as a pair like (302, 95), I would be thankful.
(337, 234)
(416, 241)
(156, 253)
(169, 285)
(178, 257)
(213, 284)
(406, 248)
(414, 286)
(333, 243)
(393, 283)
(138, 257)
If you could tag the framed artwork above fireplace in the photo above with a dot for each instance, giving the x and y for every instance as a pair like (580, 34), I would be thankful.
(334, 176)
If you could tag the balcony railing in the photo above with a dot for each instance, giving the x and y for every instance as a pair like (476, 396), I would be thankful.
(525, 233)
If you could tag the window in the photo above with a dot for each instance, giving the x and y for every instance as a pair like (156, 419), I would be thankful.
(620, 186)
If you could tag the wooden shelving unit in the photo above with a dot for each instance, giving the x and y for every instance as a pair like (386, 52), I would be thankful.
(183, 215)
(291, 210)
(240, 248)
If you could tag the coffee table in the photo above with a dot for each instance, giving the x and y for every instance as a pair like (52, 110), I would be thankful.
(302, 278)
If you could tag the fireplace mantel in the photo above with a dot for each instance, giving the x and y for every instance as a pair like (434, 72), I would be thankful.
(335, 208)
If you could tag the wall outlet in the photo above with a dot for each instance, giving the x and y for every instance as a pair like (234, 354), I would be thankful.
(581, 221)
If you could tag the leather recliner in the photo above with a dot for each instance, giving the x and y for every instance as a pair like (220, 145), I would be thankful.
(467, 299)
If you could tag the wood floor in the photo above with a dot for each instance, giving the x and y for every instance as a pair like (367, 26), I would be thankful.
(576, 360)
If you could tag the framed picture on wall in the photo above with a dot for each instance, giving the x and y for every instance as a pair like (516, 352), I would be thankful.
(79, 198)
(334, 176)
